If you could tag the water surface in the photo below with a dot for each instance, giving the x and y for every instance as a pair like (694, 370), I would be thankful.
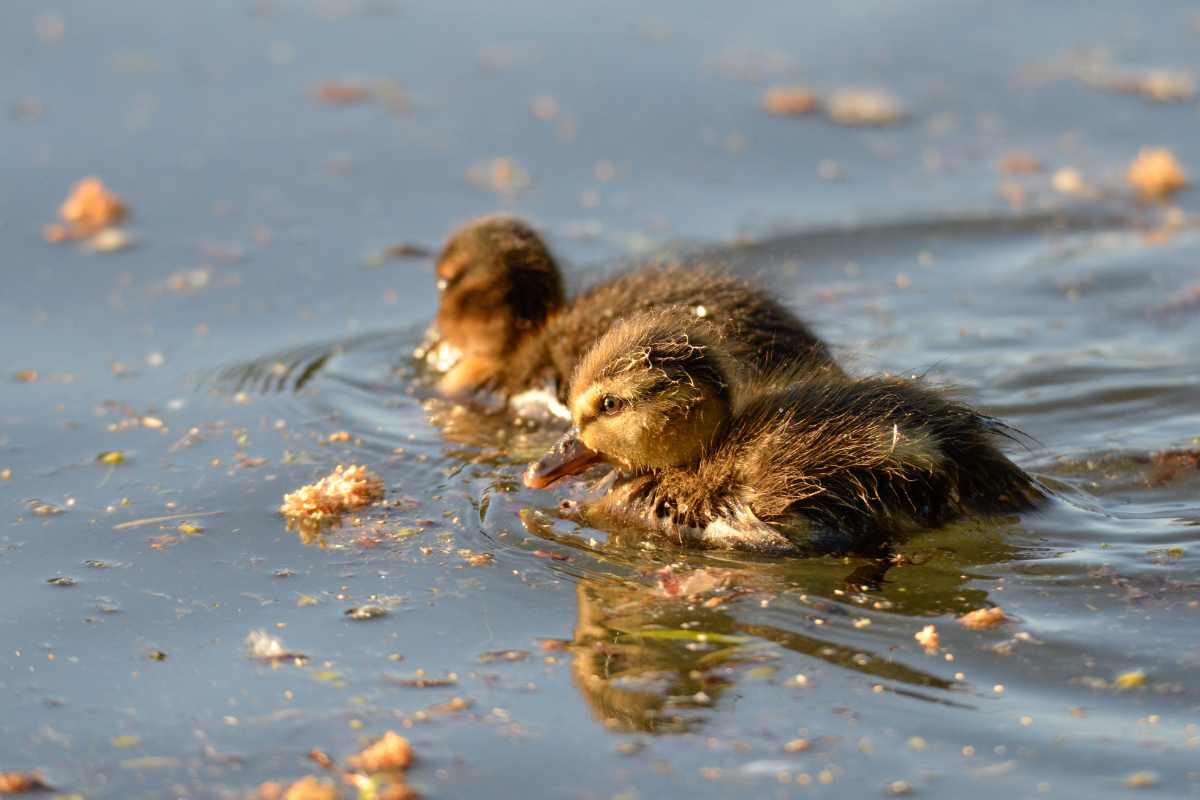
(253, 322)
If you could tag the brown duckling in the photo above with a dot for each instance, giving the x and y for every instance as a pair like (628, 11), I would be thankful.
(497, 284)
(779, 464)
(503, 324)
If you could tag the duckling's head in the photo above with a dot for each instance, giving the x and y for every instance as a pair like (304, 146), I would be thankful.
(653, 392)
(497, 282)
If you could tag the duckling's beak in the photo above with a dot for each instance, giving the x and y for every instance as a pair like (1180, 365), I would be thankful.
(569, 456)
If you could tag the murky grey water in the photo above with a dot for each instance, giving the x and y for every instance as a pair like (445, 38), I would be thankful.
(256, 209)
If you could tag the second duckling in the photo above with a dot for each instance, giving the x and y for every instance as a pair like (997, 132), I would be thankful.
(772, 465)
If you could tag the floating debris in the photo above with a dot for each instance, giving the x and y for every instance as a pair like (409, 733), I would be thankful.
(983, 618)
(345, 489)
(420, 681)
(1143, 779)
(477, 559)
(87, 212)
(111, 457)
(110, 240)
(856, 106)
(400, 250)
(62, 580)
(22, 782)
(308, 788)
(1019, 163)
(262, 646)
(356, 92)
(1095, 69)
(1070, 181)
(359, 613)
(187, 281)
(137, 523)
(40, 509)
(1156, 173)
(92, 204)
(510, 656)
(1134, 679)
(384, 783)
(504, 176)
(341, 93)
(392, 752)
(791, 100)
(927, 637)
(1158, 85)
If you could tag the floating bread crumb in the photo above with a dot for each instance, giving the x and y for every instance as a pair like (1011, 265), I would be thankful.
(865, 106)
(1070, 181)
(21, 782)
(983, 618)
(345, 489)
(791, 100)
(927, 637)
(1156, 173)
(91, 203)
(312, 788)
(392, 752)
(88, 211)
(1142, 779)
(1019, 162)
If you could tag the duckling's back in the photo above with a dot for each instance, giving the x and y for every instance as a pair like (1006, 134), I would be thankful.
(758, 332)
(876, 453)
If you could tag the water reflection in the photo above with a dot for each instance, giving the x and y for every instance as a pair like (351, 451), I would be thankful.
(658, 651)
(647, 661)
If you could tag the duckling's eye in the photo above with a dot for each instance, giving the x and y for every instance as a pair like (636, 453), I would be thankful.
(611, 404)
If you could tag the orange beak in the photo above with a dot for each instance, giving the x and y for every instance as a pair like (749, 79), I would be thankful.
(569, 456)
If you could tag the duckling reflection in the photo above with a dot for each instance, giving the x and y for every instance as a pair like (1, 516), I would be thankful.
(777, 464)
(659, 659)
(505, 327)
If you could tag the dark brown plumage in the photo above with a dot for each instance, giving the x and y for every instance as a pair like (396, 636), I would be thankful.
(771, 464)
(497, 285)
(502, 310)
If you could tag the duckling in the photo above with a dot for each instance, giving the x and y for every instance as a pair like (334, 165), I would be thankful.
(777, 464)
(504, 326)
(497, 284)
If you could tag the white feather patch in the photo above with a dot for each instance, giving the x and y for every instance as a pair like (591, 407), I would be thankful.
(538, 404)
(743, 530)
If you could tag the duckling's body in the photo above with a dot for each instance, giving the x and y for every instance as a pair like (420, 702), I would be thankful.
(503, 319)
(771, 465)
(758, 333)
